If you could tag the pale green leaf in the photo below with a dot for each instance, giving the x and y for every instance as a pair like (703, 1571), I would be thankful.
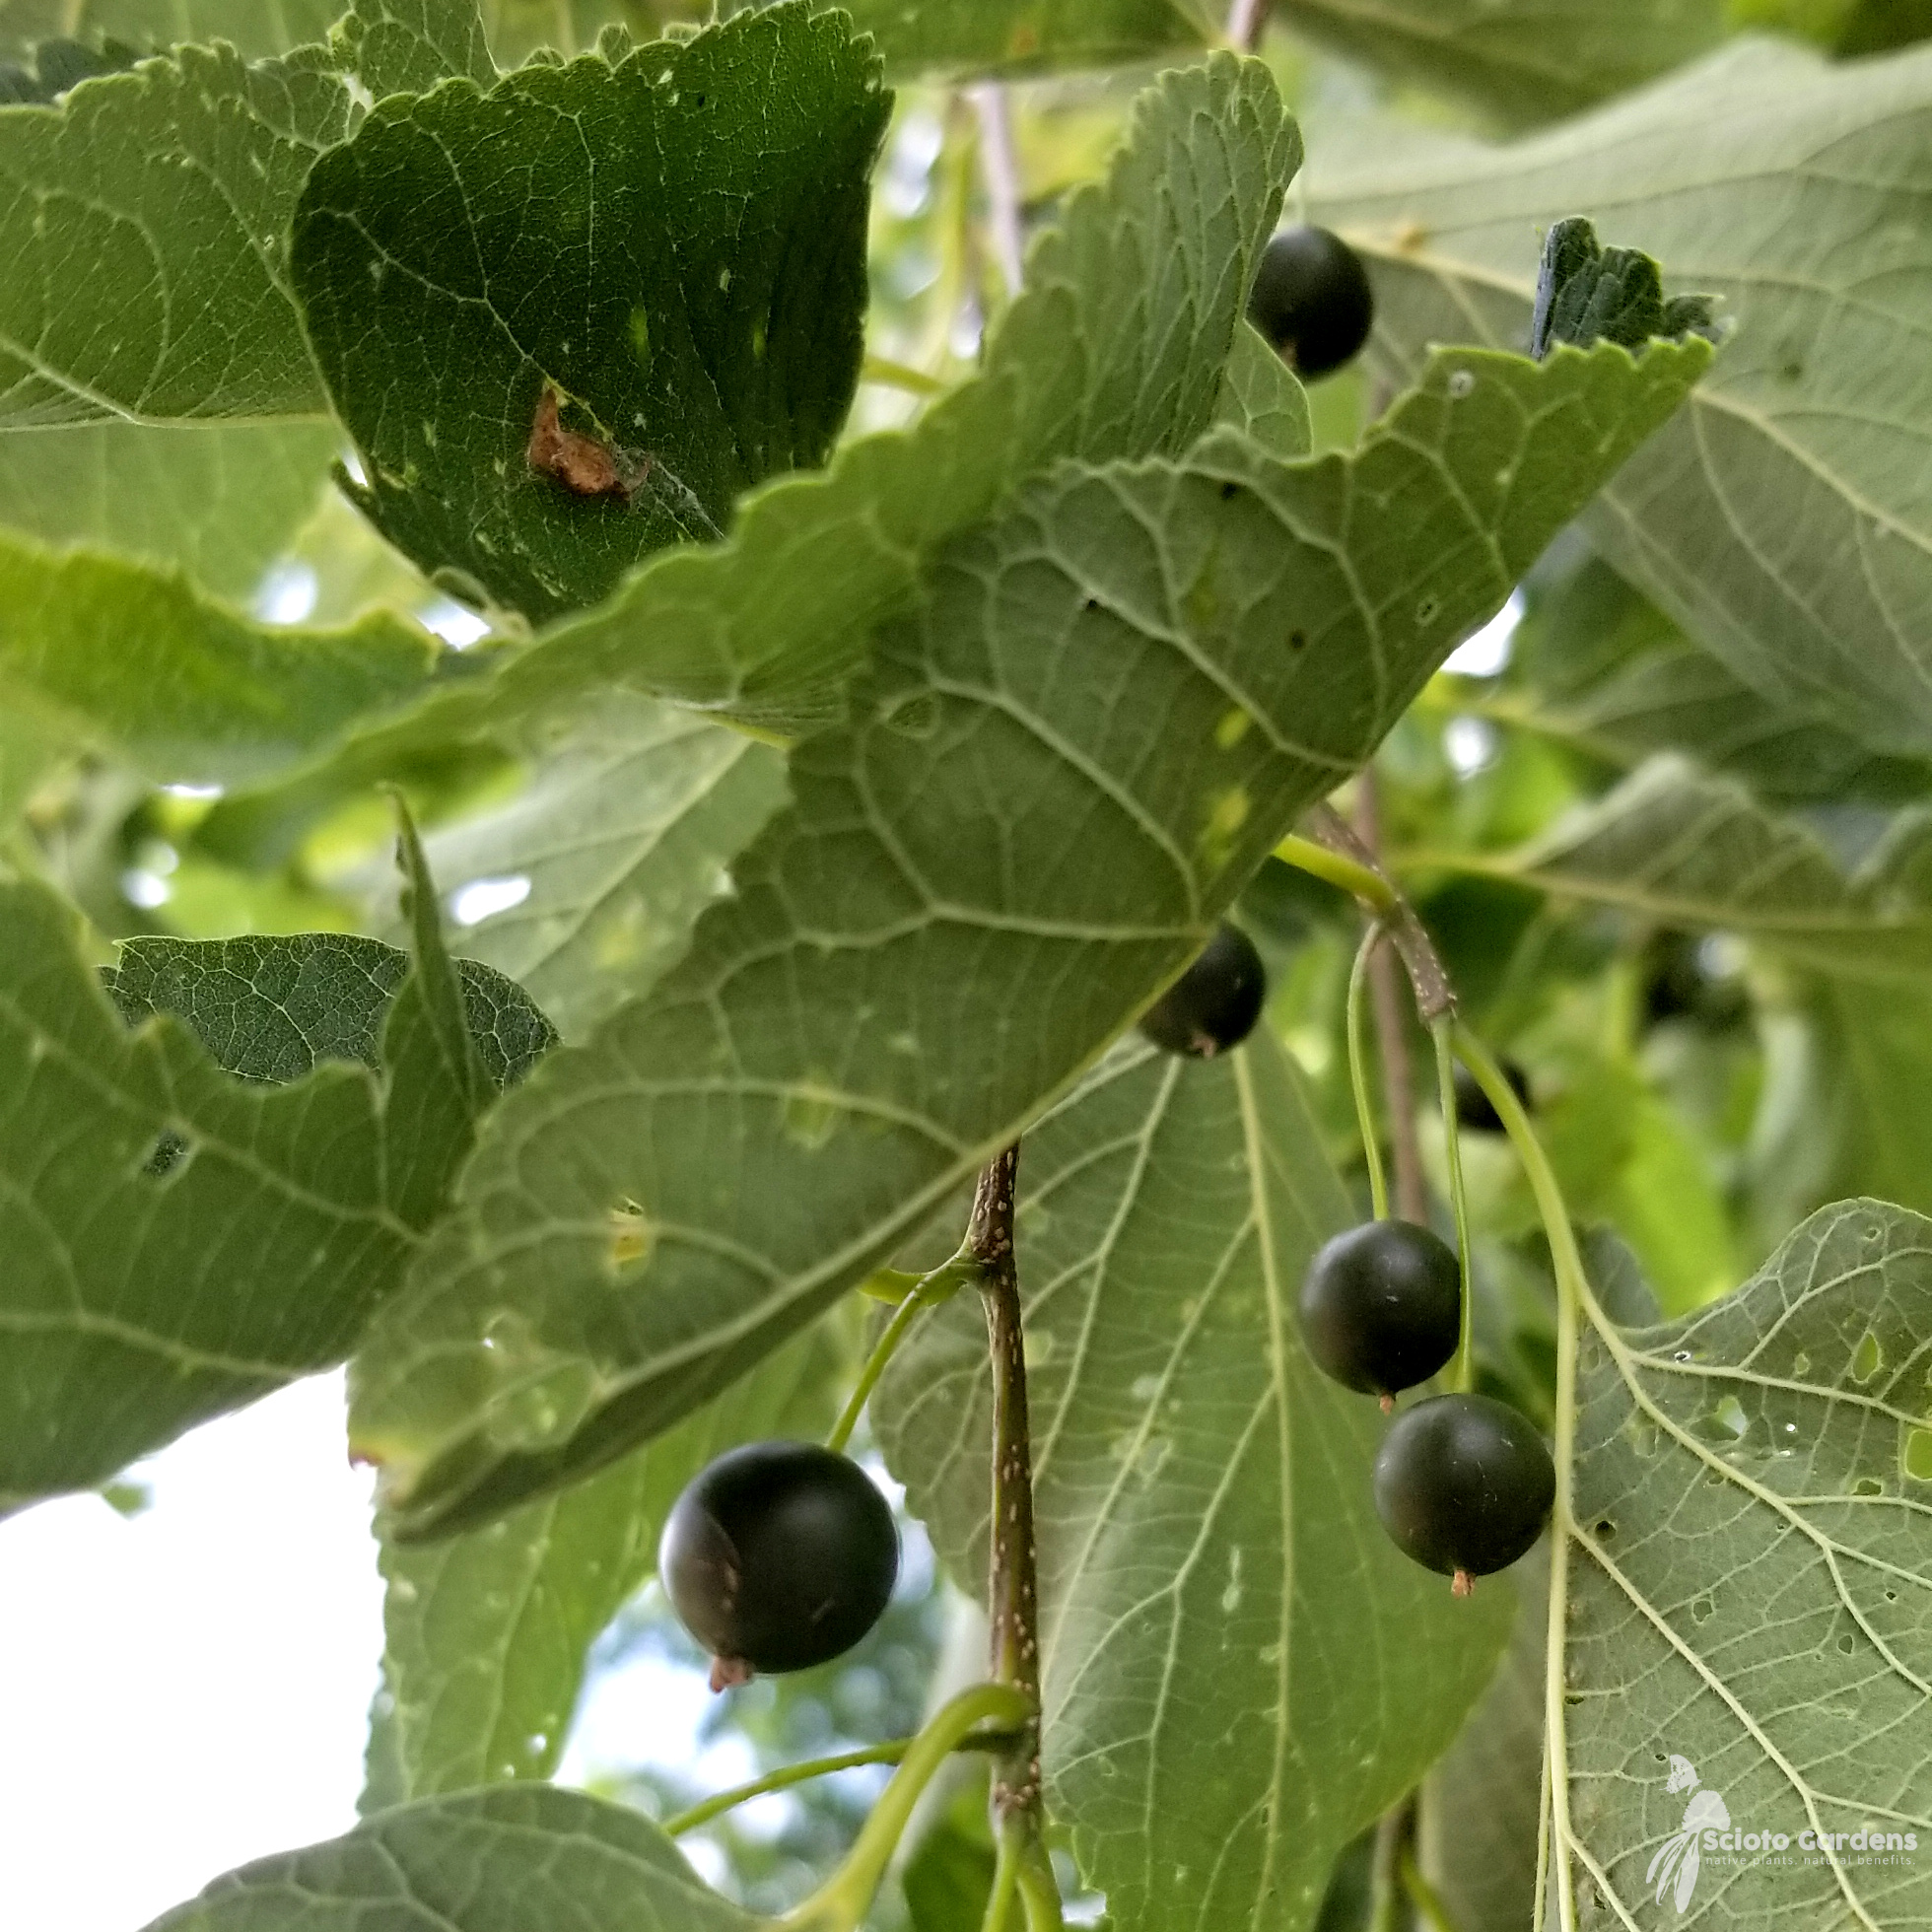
(956, 39)
(1782, 519)
(1688, 850)
(144, 226)
(406, 47)
(1114, 350)
(1750, 1591)
(488, 1633)
(1116, 700)
(221, 499)
(1260, 396)
(1239, 1670)
(624, 835)
(703, 352)
(1476, 1823)
(136, 664)
(509, 1860)
(1521, 60)
(255, 28)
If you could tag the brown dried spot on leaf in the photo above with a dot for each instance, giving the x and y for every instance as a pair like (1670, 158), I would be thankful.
(582, 465)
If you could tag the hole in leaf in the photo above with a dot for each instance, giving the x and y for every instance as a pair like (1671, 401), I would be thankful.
(1726, 1422)
(1229, 490)
(1868, 1485)
(631, 1237)
(1606, 1529)
(1867, 1359)
(1848, 1644)
(1703, 1607)
(1892, 1596)
(1917, 1456)
(1427, 611)
(1800, 1363)
(168, 1158)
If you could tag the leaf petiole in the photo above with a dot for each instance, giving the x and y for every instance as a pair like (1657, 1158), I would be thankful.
(1305, 856)
(1571, 1290)
(840, 1904)
(926, 1292)
(1378, 1186)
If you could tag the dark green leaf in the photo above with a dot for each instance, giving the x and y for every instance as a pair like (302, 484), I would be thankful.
(509, 1860)
(1586, 293)
(406, 47)
(691, 353)
(1114, 350)
(1114, 701)
(1238, 1667)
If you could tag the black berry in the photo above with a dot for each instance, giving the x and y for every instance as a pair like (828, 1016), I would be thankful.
(1463, 1484)
(1474, 1108)
(777, 1556)
(1311, 298)
(1215, 1004)
(1382, 1306)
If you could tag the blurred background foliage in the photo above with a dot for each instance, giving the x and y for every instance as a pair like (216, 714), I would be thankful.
(1700, 1084)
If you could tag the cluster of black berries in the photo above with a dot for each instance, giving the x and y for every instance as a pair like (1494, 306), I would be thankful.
(1463, 1483)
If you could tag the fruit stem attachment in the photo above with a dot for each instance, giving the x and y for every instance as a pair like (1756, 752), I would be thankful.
(1012, 1605)
(1378, 1185)
(1462, 1371)
(1571, 1290)
(926, 1292)
(841, 1903)
(1305, 856)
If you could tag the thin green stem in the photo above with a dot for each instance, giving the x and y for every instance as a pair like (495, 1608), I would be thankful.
(1305, 856)
(1426, 1901)
(1039, 1890)
(841, 1903)
(927, 1294)
(1378, 1186)
(891, 374)
(1571, 1290)
(1463, 1371)
(1384, 1897)
(1541, 1837)
(1009, 1856)
(889, 1753)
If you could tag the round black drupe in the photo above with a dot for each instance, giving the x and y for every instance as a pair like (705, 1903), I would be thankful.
(1311, 298)
(1215, 1004)
(779, 1556)
(1475, 1110)
(1463, 1483)
(1382, 1306)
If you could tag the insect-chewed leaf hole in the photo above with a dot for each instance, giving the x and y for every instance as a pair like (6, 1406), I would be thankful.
(169, 1157)
(1867, 1359)
(1703, 1607)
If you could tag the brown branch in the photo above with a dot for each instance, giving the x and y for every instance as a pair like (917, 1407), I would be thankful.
(1011, 1597)
(1412, 1193)
(1427, 975)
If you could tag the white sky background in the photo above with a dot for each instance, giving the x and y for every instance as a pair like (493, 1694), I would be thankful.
(190, 1690)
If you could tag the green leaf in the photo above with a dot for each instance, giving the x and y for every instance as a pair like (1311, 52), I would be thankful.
(488, 1633)
(272, 1010)
(700, 353)
(140, 1296)
(1203, 1502)
(1115, 701)
(255, 28)
(178, 1242)
(1692, 851)
(1599, 665)
(523, 1857)
(406, 47)
(956, 39)
(1520, 60)
(144, 226)
(623, 835)
(1260, 396)
(222, 500)
(1780, 520)
(1115, 349)
(1477, 1819)
(136, 664)
(1750, 1589)
(1586, 293)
